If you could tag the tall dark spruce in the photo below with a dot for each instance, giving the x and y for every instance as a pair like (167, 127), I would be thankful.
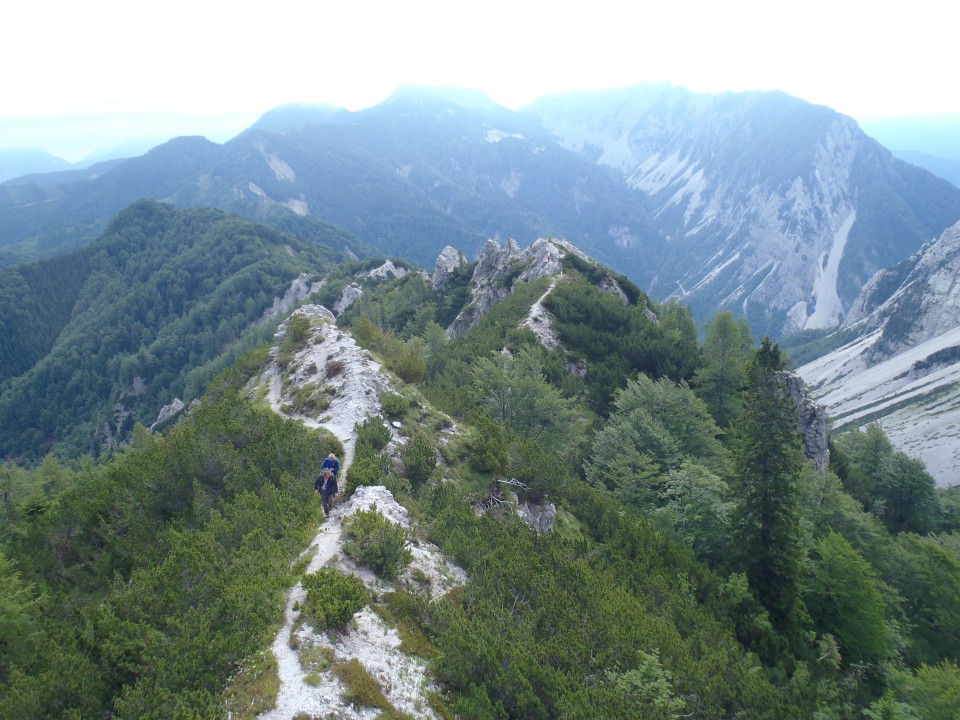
(767, 463)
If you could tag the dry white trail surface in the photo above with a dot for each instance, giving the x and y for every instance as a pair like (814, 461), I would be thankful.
(358, 382)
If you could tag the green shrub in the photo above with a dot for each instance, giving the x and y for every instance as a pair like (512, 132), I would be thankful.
(362, 472)
(394, 405)
(372, 436)
(419, 459)
(329, 443)
(333, 597)
(438, 706)
(298, 329)
(403, 611)
(398, 486)
(409, 363)
(375, 542)
(253, 688)
(316, 658)
(310, 398)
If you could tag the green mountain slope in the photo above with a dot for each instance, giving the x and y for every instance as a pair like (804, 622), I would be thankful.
(649, 594)
(105, 336)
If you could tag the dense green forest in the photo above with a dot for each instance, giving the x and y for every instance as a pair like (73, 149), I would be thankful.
(96, 340)
(699, 566)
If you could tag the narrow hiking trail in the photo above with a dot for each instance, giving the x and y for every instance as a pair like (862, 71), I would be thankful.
(305, 690)
(332, 358)
(540, 321)
(307, 686)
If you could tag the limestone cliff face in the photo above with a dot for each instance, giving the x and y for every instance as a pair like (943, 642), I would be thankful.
(298, 290)
(488, 288)
(812, 422)
(912, 302)
(351, 293)
(769, 205)
(900, 364)
(168, 412)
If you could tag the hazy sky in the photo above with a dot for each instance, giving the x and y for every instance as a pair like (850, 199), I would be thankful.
(118, 68)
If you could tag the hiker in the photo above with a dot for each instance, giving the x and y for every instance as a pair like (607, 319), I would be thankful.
(326, 482)
(332, 463)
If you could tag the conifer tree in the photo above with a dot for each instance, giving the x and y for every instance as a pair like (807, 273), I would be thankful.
(719, 380)
(768, 461)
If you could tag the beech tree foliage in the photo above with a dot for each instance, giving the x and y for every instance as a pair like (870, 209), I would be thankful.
(513, 391)
(656, 426)
(896, 487)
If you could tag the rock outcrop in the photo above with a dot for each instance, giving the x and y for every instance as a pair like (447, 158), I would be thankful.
(812, 422)
(331, 363)
(167, 412)
(914, 301)
(387, 270)
(351, 293)
(488, 288)
(540, 517)
(449, 260)
(500, 268)
(299, 289)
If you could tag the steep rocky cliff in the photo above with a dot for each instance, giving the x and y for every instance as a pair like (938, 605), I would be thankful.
(901, 364)
(912, 302)
(812, 422)
(771, 206)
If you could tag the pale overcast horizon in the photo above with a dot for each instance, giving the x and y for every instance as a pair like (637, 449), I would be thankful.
(83, 76)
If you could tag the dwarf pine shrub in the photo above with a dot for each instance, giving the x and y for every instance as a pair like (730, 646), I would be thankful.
(375, 542)
(333, 597)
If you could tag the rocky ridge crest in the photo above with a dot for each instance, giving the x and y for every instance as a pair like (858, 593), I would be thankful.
(913, 302)
(500, 268)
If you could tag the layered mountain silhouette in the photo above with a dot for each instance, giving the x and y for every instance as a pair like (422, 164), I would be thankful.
(758, 202)
(773, 207)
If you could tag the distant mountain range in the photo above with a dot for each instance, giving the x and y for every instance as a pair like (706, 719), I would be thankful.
(933, 135)
(758, 202)
(947, 168)
(15, 163)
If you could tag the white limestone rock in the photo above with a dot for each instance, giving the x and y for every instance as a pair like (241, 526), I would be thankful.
(167, 412)
(351, 293)
(448, 261)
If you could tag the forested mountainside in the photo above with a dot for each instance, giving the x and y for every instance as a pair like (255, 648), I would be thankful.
(688, 558)
(44, 214)
(947, 168)
(96, 340)
(756, 202)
